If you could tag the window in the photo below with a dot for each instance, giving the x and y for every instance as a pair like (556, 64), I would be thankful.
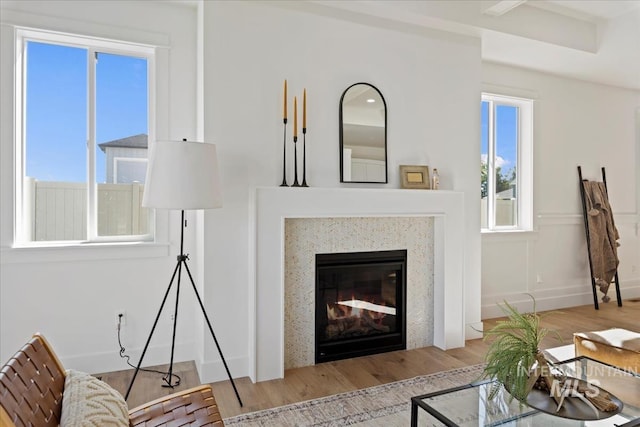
(129, 170)
(83, 127)
(506, 163)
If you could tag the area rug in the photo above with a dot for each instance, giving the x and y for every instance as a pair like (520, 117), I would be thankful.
(383, 405)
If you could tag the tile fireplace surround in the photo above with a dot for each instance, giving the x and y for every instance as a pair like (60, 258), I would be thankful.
(271, 206)
(306, 237)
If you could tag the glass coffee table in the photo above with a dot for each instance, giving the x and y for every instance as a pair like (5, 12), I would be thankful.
(469, 405)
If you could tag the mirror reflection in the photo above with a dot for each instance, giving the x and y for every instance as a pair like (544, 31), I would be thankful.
(363, 135)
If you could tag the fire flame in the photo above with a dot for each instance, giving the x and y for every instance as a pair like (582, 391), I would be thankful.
(357, 308)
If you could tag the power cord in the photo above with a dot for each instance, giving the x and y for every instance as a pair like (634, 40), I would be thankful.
(127, 357)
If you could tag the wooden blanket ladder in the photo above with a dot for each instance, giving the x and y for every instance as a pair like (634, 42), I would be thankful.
(586, 229)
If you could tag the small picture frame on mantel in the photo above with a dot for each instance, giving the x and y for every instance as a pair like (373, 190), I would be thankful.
(415, 176)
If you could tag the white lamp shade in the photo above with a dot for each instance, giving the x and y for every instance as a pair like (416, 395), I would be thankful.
(182, 175)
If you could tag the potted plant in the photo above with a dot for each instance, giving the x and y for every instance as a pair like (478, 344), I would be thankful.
(514, 356)
(515, 360)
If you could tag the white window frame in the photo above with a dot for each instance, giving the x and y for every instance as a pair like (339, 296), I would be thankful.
(93, 45)
(120, 160)
(524, 168)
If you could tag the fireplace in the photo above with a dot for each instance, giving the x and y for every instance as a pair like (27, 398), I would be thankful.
(360, 304)
(274, 312)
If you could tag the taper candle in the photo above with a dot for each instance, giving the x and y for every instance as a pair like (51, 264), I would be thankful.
(284, 115)
(295, 116)
(304, 109)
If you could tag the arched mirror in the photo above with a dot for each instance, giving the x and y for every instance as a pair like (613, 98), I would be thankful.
(363, 135)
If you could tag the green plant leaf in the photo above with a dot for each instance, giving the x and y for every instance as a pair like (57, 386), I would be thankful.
(514, 345)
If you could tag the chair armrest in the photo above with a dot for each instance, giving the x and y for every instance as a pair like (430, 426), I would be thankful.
(5, 420)
(32, 385)
(187, 406)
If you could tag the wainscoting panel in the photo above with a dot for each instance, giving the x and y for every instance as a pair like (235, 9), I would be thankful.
(552, 264)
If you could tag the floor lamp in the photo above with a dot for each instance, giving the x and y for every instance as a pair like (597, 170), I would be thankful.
(182, 175)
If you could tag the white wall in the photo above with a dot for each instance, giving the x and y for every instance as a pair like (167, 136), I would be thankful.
(430, 81)
(72, 294)
(576, 123)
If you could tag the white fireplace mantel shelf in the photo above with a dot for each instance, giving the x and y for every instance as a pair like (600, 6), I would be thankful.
(270, 206)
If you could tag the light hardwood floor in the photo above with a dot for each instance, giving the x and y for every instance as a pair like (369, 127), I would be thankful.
(346, 375)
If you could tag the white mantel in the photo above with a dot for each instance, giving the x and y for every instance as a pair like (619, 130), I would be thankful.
(271, 206)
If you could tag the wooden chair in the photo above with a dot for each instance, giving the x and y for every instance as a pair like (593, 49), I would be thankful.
(32, 387)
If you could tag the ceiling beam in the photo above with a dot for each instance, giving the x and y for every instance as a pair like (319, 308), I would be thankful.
(499, 7)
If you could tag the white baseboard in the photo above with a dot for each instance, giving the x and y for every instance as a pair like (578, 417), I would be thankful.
(547, 300)
(111, 361)
(213, 371)
(159, 355)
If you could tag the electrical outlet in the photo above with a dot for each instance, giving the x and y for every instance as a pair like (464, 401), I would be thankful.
(121, 317)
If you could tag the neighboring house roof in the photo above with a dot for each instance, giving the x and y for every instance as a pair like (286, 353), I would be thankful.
(135, 141)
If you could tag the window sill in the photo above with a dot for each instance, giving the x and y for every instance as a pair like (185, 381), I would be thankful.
(509, 234)
(83, 252)
(506, 230)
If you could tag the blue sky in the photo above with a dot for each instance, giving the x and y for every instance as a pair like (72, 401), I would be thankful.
(56, 107)
(506, 135)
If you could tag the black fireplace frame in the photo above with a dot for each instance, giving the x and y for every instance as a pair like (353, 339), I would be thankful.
(362, 346)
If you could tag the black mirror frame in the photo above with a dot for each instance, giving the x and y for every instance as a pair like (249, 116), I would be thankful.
(340, 125)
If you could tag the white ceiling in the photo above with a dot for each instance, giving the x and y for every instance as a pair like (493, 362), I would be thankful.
(606, 9)
(615, 59)
(589, 40)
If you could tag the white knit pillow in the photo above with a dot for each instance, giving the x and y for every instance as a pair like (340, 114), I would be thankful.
(87, 401)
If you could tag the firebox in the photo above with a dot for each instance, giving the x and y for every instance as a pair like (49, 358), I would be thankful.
(360, 304)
